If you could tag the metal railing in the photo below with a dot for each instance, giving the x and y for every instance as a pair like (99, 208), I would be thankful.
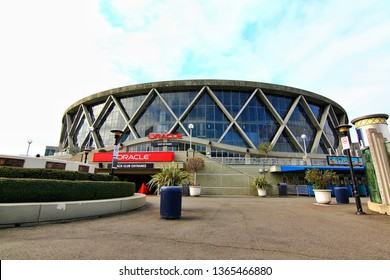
(269, 161)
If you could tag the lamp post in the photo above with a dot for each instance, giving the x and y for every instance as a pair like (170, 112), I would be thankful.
(86, 152)
(190, 127)
(117, 134)
(303, 136)
(28, 147)
(345, 141)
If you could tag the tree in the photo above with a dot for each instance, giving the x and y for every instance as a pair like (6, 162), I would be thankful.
(195, 164)
(265, 147)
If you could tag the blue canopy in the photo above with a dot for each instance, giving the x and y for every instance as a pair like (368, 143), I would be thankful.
(290, 168)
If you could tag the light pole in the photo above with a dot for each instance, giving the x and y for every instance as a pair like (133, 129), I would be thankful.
(28, 147)
(345, 141)
(190, 127)
(303, 136)
(86, 152)
(117, 134)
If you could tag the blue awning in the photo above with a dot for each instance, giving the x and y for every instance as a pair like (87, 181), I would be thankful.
(290, 168)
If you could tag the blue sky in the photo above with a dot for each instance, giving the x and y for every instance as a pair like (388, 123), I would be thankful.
(54, 53)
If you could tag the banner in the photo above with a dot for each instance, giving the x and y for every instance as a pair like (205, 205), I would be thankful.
(135, 157)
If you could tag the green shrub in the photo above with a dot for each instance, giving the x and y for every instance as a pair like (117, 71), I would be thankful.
(46, 190)
(40, 173)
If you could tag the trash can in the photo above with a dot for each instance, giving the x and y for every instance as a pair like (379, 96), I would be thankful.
(341, 194)
(362, 190)
(282, 187)
(170, 202)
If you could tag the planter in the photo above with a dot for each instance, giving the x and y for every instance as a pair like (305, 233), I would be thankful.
(262, 192)
(323, 196)
(195, 190)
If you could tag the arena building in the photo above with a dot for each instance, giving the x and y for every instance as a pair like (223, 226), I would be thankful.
(225, 121)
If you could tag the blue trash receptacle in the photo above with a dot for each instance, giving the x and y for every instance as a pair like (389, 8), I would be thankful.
(362, 190)
(282, 187)
(170, 202)
(350, 191)
(341, 194)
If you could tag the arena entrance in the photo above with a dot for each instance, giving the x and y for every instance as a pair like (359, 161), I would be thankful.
(139, 176)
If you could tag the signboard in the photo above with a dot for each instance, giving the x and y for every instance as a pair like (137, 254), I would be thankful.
(156, 136)
(167, 144)
(135, 157)
(135, 165)
(11, 162)
(343, 161)
(115, 157)
(83, 168)
(55, 165)
(345, 143)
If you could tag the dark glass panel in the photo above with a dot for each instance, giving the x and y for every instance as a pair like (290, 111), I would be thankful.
(127, 136)
(111, 120)
(331, 133)
(300, 123)
(131, 104)
(234, 138)
(232, 100)
(178, 101)
(155, 117)
(281, 104)
(317, 111)
(81, 132)
(258, 122)
(284, 144)
(95, 111)
(203, 115)
(322, 148)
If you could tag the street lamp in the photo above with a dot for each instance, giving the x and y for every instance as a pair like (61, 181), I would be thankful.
(190, 127)
(303, 136)
(28, 147)
(117, 134)
(345, 141)
(86, 152)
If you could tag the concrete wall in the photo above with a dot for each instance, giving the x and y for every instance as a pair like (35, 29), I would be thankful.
(42, 162)
(21, 213)
(219, 179)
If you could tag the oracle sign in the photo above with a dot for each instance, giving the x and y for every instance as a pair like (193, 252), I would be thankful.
(135, 157)
(154, 136)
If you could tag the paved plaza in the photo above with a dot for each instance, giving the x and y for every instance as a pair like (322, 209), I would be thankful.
(211, 227)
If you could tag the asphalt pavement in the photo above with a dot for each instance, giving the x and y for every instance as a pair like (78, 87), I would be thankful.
(211, 227)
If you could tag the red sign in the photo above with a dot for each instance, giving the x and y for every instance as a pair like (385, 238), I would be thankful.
(154, 136)
(135, 157)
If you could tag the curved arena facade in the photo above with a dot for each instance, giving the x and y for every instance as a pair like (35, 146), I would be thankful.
(228, 117)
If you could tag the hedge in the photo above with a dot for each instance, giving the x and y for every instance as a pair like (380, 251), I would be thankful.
(40, 173)
(44, 190)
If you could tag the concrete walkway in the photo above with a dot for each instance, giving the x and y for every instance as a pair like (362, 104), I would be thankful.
(211, 227)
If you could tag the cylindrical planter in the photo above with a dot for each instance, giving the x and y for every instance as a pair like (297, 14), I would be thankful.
(170, 202)
(323, 196)
(341, 194)
(195, 190)
(262, 192)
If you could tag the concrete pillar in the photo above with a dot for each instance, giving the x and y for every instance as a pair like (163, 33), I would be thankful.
(373, 132)
(247, 158)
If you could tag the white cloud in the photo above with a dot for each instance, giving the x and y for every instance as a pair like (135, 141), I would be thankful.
(54, 53)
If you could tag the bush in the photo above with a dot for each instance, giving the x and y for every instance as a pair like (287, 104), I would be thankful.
(40, 173)
(45, 190)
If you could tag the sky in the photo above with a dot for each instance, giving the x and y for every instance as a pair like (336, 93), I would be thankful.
(56, 52)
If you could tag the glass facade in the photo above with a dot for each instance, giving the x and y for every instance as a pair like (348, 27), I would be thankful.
(233, 116)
